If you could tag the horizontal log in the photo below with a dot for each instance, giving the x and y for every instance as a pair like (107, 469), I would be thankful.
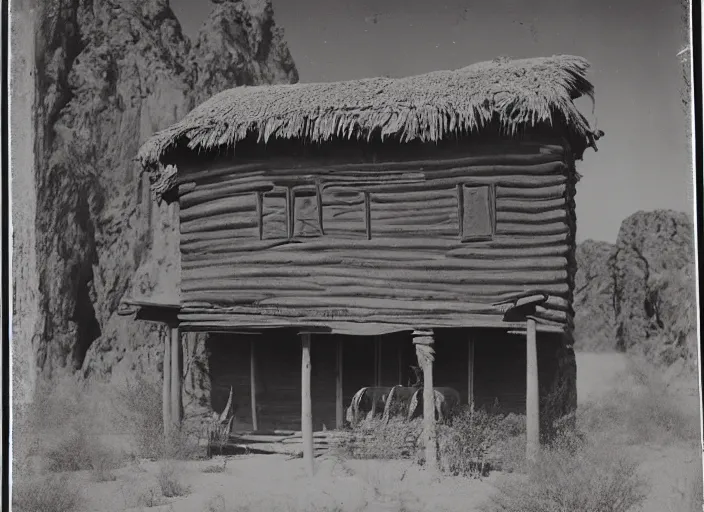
(227, 276)
(479, 292)
(191, 283)
(554, 315)
(530, 206)
(222, 235)
(219, 223)
(509, 253)
(506, 228)
(544, 169)
(518, 181)
(252, 292)
(185, 187)
(225, 167)
(373, 304)
(242, 203)
(201, 196)
(532, 218)
(388, 259)
(336, 313)
(206, 297)
(350, 242)
(355, 324)
(231, 267)
(282, 166)
(382, 198)
(403, 205)
(547, 192)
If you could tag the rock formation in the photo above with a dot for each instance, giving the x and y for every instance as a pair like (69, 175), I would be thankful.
(108, 74)
(639, 294)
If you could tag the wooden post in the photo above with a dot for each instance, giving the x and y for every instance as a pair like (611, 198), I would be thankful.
(377, 361)
(306, 405)
(399, 355)
(470, 372)
(253, 385)
(175, 377)
(423, 341)
(532, 405)
(166, 388)
(339, 409)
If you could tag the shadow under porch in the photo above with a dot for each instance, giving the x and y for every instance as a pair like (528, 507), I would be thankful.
(487, 366)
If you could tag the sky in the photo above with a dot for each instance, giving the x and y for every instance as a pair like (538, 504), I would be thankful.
(643, 161)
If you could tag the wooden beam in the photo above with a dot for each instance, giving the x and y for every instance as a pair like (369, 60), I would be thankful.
(424, 341)
(166, 387)
(470, 372)
(306, 404)
(175, 377)
(532, 405)
(253, 385)
(339, 408)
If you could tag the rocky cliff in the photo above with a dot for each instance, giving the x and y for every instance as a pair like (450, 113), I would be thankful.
(639, 294)
(105, 75)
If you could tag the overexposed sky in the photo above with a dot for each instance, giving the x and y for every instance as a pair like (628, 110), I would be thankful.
(643, 161)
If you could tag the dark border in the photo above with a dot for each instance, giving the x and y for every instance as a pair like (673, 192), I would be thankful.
(696, 45)
(4, 199)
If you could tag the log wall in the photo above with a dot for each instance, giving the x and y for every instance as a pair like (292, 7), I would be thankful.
(430, 241)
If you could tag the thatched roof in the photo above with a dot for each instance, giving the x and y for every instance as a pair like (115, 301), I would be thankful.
(514, 93)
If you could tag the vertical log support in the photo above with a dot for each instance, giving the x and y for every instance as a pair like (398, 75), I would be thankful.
(532, 405)
(423, 341)
(166, 388)
(306, 404)
(399, 356)
(176, 359)
(253, 384)
(339, 410)
(377, 361)
(470, 372)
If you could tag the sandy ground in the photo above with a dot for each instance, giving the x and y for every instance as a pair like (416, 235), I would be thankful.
(596, 374)
(272, 483)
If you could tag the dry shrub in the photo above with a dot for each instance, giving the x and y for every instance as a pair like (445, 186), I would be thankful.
(477, 439)
(139, 404)
(63, 427)
(217, 468)
(641, 409)
(140, 409)
(573, 474)
(170, 482)
(150, 498)
(50, 493)
(376, 439)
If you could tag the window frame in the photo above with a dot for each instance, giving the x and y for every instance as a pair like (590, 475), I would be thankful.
(491, 198)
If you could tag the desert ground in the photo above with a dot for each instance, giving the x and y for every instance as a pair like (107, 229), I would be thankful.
(643, 455)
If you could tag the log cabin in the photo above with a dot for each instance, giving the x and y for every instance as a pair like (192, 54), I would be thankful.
(332, 235)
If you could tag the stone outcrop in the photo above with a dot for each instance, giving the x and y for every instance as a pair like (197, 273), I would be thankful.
(639, 294)
(105, 75)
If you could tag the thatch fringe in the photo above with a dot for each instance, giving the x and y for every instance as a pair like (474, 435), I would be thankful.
(516, 93)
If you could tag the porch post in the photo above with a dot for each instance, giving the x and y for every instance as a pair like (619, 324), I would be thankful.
(253, 385)
(306, 404)
(175, 377)
(424, 341)
(339, 409)
(470, 372)
(532, 404)
(166, 387)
